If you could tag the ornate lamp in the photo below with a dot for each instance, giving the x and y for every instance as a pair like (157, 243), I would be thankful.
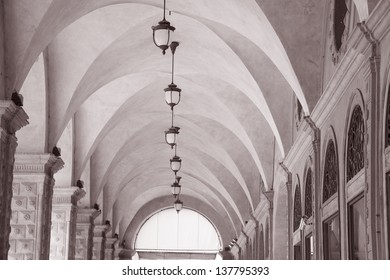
(176, 189)
(171, 135)
(175, 164)
(161, 33)
(172, 92)
(178, 205)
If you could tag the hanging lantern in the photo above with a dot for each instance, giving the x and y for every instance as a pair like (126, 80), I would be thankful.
(171, 135)
(162, 33)
(172, 95)
(175, 164)
(172, 92)
(176, 189)
(178, 205)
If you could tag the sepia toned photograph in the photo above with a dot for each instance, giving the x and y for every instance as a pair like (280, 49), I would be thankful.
(195, 130)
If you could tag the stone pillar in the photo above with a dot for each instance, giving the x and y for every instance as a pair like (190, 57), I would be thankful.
(84, 233)
(99, 241)
(117, 250)
(12, 118)
(289, 210)
(110, 248)
(63, 217)
(31, 205)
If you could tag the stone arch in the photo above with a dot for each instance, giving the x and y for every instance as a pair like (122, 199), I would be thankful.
(386, 159)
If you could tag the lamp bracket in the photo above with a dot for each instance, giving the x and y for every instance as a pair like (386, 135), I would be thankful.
(173, 46)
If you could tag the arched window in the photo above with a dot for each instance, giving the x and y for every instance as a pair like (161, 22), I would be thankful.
(355, 148)
(308, 195)
(297, 207)
(261, 244)
(189, 231)
(340, 10)
(331, 174)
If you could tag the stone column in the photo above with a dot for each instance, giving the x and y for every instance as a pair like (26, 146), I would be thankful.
(31, 205)
(117, 250)
(63, 228)
(84, 233)
(110, 248)
(99, 241)
(12, 118)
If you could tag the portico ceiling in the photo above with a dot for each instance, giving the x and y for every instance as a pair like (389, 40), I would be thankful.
(93, 82)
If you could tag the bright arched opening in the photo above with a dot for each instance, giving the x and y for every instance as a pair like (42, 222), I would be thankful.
(168, 235)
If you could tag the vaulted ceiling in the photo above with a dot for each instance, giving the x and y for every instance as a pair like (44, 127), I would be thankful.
(93, 82)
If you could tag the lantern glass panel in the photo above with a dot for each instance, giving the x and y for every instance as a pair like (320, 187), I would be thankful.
(172, 97)
(171, 138)
(176, 189)
(161, 37)
(175, 166)
(178, 205)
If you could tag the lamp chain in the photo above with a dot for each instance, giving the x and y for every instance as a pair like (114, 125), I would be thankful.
(172, 116)
(173, 65)
(164, 10)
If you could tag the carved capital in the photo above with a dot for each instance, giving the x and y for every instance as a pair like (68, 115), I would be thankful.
(12, 117)
(37, 164)
(86, 215)
(101, 230)
(288, 174)
(269, 195)
(67, 195)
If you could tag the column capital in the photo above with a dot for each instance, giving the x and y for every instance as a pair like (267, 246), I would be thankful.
(87, 215)
(67, 195)
(101, 230)
(12, 117)
(37, 164)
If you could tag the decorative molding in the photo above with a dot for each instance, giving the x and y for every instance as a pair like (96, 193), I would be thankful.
(101, 230)
(68, 195)
(14, 116)
(37, 164)
(86, 215)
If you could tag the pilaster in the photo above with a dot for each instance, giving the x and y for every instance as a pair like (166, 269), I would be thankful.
(99, 241)
(12, 118)
(317, 225)
(289, 210)
(64, 217)
(84, 233)
(110, 248)
(32, 205)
